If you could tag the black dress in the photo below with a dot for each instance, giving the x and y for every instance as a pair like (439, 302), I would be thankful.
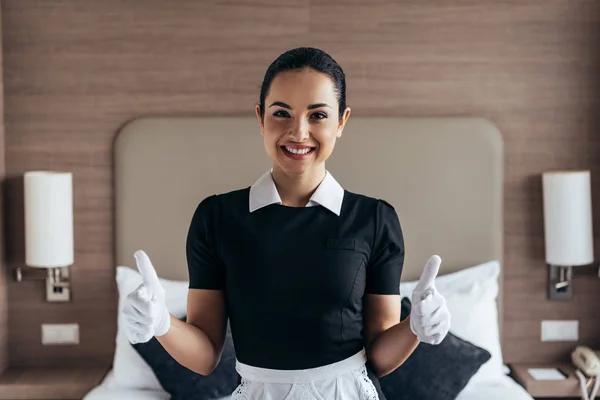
(295, 278)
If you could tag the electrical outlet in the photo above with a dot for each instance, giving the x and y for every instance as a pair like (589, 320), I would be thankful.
(60, 334)
(560, 331)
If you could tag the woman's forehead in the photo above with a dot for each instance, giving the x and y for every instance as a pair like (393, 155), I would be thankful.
(306, 85)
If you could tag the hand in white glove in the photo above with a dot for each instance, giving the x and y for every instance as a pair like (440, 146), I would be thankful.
(429, 317)
(145, 310)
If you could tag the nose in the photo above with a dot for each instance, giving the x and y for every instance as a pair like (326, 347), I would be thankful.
(300, 132)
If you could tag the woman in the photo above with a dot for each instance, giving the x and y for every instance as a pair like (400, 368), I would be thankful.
(306, 272)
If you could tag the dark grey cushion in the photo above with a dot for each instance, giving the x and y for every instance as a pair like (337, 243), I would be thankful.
(434, 372)
(184, 384)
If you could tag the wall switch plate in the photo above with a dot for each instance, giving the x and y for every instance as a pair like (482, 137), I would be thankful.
(60, 334)
(560, 331)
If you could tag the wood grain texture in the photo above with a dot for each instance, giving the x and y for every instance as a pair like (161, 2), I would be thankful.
(49, 383)
(568, 387)
(3, 287)
(76, 71)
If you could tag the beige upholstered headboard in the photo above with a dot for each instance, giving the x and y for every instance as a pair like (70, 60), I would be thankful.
(443, 176)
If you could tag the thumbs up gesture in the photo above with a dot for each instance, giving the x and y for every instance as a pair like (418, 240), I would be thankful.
(429, 317)
(145, 310)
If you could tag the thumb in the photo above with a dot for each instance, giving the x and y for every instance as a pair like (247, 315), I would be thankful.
(428, 275)
(147, 270)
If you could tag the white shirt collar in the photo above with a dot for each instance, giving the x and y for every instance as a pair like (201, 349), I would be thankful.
(329, 193)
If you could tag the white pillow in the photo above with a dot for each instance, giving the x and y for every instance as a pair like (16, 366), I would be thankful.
(470, 293)
(471, 298)
(130, 371)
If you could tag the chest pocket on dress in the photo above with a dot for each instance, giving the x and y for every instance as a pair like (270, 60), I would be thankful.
(341, 244)
(344, 269)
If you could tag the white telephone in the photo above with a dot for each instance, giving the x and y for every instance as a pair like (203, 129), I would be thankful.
(586, 360)
(587, 364)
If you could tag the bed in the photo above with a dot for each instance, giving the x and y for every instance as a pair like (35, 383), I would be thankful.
(443, 176)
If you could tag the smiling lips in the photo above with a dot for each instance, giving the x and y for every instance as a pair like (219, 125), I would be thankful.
(297, 152)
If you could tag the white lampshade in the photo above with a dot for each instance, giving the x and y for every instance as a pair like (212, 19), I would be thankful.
(568, 218)
(48, 219)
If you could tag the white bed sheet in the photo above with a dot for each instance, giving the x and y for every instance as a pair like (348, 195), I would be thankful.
(502, 389)
(106, 391)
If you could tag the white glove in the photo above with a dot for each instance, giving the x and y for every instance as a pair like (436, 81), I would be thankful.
(145, 310)
(429, 317)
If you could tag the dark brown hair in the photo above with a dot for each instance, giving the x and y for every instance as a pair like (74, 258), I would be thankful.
(306, 57)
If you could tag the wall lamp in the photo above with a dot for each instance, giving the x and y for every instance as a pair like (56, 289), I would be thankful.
(48, 198)
(568, 233)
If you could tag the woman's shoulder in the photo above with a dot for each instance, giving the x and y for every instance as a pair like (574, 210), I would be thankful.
(367, 201)
(225, 200)
(234, 196)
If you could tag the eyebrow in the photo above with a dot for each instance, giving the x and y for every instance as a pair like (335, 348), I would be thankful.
(311, 107)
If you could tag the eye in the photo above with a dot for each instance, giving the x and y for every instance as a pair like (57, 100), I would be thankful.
(281, 113)
(319, 115)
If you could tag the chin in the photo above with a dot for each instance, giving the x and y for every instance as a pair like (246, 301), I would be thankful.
(293, 169)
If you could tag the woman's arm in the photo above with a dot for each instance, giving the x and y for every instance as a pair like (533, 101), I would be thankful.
(389, 342)
(197, 344)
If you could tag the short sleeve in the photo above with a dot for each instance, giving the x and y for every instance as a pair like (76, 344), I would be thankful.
(387, 253)
(206, 270)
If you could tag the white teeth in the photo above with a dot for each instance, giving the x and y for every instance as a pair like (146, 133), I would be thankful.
(297, 151)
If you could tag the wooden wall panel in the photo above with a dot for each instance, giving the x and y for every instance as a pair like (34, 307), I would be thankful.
(3, 288)
(75, 71)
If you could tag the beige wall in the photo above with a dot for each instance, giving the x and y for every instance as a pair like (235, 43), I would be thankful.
(75, 71)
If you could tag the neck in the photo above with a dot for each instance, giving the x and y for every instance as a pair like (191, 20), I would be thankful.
(296, 190)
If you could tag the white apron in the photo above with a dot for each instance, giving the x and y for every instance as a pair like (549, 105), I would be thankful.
(343, 380)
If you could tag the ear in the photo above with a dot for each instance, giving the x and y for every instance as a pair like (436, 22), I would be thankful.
(260, 120)
(343, 121)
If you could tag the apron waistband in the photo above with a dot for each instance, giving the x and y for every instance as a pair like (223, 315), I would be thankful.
(265, 375)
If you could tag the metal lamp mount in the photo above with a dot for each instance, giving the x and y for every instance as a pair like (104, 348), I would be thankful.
(58, 285)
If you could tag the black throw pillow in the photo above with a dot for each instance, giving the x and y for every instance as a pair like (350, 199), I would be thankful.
(434, 372)
(182, 383)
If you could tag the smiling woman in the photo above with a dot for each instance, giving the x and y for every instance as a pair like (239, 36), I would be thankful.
(306, 272)
(302, 112)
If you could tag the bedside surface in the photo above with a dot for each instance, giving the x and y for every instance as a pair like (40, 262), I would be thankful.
(49, 383)
(542, 389)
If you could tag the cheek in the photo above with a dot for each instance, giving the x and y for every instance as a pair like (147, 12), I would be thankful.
(326, 135)
(270, 141)
(274, 129)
